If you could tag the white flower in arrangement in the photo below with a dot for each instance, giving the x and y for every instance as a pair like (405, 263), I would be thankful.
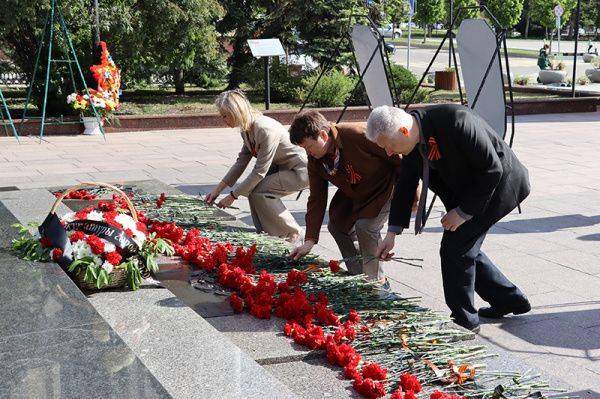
(69, 217)
(109, 246)
(86, 97)
(126, 221)
(139, 238)
(95, 215)
(81, 249)
(107, 266)
(71, 97)
(97, 260)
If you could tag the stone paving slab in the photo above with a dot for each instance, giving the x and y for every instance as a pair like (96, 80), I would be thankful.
(50, 335)
(185, 353)
(313, 378)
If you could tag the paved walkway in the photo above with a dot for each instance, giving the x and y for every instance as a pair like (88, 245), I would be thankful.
(551, 250)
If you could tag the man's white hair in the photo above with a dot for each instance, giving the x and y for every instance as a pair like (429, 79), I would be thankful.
(386, 121)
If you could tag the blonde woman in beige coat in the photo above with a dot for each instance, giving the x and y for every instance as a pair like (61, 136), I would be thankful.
(280, 167)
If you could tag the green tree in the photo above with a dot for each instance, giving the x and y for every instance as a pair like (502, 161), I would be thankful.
(428, 13)
(507, 12)
(180, 34)
(465, 13)
(309, 27)
(542, 11)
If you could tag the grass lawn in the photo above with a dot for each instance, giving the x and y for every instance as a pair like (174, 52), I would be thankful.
(418, 43)
(164, 101)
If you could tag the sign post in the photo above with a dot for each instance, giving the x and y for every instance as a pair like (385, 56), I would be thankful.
(266, 48)
(558, 11)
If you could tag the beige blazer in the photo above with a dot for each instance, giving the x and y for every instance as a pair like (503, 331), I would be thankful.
(270, 142)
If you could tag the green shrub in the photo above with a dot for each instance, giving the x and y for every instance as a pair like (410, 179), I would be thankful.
(405, 82)
(522, 80)
(333, 89)
(285, 84)
(403, 78)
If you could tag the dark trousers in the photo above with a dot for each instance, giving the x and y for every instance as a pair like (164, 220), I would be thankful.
(466, 270)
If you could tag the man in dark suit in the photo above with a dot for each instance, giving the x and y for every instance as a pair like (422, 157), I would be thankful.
(478, 178)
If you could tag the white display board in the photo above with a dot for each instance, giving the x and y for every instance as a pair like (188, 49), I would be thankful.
(476, 45)
(265, 47)
(376, 84)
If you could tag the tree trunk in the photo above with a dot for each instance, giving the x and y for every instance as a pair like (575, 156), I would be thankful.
(178, 77)
(237, 61)
(425, 33)
(527, 19)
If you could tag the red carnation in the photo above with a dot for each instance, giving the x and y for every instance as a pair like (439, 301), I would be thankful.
(96, 244)
(106, 206)
(398, 394)
(236, 303)
(296, 278)
(369, 388)
(129, 232)
(437, 395)
(334, 265)
(114, 258)
(410, 395)
(77, 236)
(374, 371)
(410, 382)
(161, 200)
(56, 254)
(353, 316)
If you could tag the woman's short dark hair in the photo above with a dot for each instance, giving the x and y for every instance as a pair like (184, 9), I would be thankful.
(307, 124)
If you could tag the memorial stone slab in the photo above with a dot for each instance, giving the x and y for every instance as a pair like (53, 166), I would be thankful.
(185, 353)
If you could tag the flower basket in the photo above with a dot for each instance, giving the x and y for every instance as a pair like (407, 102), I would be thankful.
(100, 248)
(91, 125)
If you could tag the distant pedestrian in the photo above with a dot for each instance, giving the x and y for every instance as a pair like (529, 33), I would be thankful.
(543, 57)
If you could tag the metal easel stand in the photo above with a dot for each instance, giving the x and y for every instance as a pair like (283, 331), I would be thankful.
(379, 49)
(54, 26)
(500, 43)
(7, 121)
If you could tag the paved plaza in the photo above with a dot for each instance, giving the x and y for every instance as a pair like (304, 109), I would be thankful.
(551, 250)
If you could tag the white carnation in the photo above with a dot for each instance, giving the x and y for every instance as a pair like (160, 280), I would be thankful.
(109, 246)
(126, 221)
(95, 215)
(107, 266)
(69, 217)
(71, 97)
(81, 249)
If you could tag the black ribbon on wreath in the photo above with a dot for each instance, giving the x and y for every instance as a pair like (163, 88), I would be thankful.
(58, 236)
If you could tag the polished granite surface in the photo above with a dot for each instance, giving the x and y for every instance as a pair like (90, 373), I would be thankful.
(53, 343)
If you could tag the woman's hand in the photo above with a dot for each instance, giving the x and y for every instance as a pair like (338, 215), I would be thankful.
(210, 198)
(226, 202)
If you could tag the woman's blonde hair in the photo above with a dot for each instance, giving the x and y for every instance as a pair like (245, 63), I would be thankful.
(236, 104)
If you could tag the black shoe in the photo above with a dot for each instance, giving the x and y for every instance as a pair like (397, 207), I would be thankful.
(494, 312)
(475, 328)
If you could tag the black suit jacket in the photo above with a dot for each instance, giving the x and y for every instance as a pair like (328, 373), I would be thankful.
(477, 171)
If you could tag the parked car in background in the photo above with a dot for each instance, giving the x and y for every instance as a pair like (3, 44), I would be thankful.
(390, 48)
(438, 26)
(389, 31)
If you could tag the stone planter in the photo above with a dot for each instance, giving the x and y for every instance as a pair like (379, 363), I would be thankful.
(92, 127)
(593, 75)
(446, 80)
(588, 57)
(548, 76)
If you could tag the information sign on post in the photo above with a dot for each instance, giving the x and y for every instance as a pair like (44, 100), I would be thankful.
(558, 12)
(266, 48)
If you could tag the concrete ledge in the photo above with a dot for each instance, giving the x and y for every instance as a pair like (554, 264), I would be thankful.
(131, 123)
